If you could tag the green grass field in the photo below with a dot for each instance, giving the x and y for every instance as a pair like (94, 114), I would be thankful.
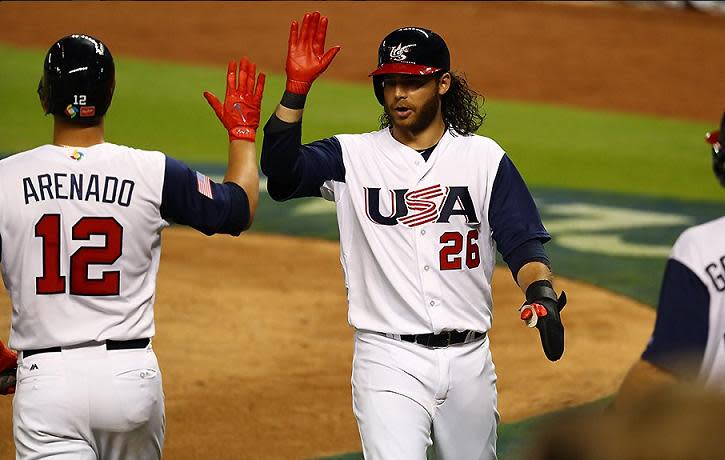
(617, 158)
(160, 106)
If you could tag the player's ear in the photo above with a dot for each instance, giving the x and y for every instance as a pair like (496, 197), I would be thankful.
(444, 83)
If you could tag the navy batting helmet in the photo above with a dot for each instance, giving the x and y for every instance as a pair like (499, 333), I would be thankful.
(78, 79)
(410, 51)
(717, 140)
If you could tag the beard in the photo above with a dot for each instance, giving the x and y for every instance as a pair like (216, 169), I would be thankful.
(421, 119)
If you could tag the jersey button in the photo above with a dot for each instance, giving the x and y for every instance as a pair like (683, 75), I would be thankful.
(426, 268)
(432, 303)
(422, 232)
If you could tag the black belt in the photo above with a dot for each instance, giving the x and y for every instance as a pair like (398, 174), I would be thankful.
(444, 339)
(110, 345)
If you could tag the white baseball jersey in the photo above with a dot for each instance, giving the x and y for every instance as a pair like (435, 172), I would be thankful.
(80, 230)
(691, 312)
(417, 237)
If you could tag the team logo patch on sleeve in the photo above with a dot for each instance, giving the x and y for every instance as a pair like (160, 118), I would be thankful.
(203, 185)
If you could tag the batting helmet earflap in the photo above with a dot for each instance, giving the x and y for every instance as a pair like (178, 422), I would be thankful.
(78, 79)
(410, 51)
(717, 140)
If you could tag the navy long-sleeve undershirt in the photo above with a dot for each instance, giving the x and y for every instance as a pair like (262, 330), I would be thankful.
(683, 317)
(182, 202)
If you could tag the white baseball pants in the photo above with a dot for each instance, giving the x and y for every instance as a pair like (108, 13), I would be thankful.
(89, 403)
(407, 397)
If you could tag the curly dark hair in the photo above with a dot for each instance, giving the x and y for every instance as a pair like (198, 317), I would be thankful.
(460, 107)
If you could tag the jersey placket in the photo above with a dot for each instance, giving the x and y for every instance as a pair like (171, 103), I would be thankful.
(428, 271)
(426, 251)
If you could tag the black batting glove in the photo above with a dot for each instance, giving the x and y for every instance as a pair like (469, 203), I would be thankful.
(7, 381)
(542, 310)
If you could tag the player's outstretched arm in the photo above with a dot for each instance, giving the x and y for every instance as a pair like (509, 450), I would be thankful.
(295, 170)
(191, 198)
(240, 115)
(520, 235)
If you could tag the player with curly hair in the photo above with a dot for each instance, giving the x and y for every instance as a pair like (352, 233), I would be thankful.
(422, 205)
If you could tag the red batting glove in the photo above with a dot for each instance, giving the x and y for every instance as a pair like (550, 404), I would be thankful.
(712, 138)
(306, 57)
(8, 362)
(242, 102)
(527, 313)
(8, 357)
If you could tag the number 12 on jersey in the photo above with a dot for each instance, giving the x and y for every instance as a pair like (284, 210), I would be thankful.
(48, 229)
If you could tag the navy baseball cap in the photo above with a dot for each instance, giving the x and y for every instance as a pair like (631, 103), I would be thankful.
(412, 51)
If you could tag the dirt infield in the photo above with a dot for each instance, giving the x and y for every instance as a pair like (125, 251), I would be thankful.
(252, 336)
(255, 351)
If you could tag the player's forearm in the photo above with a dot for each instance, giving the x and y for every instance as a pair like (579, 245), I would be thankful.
(282, 142)
(531, 272)
(240, 114)
(289, 115)
(242, 170)
(281, 159)
(291, 107)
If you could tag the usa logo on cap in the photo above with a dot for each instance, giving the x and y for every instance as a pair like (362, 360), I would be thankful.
(397, 53)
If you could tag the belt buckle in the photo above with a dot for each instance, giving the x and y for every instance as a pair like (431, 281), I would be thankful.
(445, 339)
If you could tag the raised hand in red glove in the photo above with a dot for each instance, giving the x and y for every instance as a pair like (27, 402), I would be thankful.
(8, 364)
(306, 56)
(242, 102)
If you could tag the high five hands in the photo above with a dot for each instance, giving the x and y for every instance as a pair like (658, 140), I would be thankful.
(242, 102)
(306, 56)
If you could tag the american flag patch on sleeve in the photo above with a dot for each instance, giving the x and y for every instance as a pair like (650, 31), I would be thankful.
(203, 185)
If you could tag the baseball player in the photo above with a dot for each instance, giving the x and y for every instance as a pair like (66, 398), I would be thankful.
(422, 204)
(688, 338)
(80, 221)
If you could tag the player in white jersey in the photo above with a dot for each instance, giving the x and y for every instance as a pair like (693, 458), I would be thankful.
(688, 341)
(422, 206)
(80, 222)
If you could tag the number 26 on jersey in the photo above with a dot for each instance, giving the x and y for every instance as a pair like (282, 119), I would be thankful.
(454, 242)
